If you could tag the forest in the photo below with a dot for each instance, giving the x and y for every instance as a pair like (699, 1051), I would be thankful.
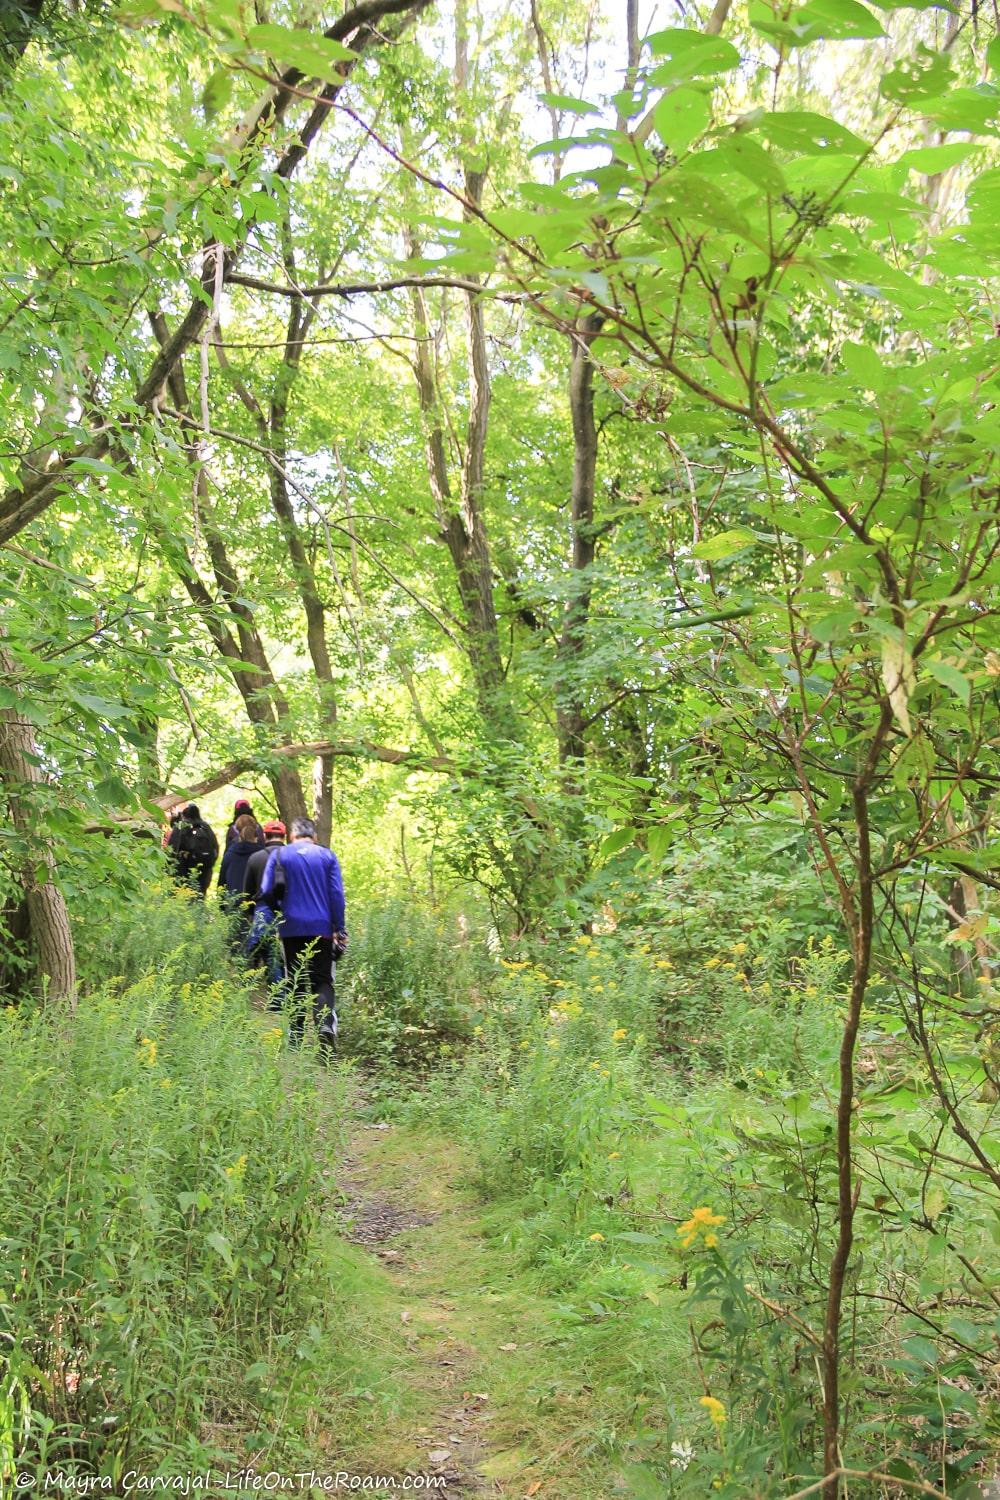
(552, 448)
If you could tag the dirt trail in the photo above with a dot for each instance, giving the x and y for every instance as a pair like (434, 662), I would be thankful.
(403, 1208)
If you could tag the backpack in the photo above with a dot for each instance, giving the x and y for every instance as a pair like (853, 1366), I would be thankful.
(278, 890)
(197, 845)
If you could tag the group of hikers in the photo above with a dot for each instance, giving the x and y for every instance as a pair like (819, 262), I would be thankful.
(285, 895)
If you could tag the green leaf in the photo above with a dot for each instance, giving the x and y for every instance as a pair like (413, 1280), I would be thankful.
(966, 108)
(922, 76)
(809, 134)
(724, 544)
(659, 840)
(680, 117)
(930, 160)
(617, 841)
(836, 20)
(864, 365)
(920, 1349)
(221, 1246)
(102, 707)
(950, 677)
(304, 50)
(217, 92)
(683, 54)
(836, 626)
(749, 158)
(569, 104)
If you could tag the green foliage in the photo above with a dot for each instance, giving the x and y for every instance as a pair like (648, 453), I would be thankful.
(177, 935)
(172, 1298)
(408, 980)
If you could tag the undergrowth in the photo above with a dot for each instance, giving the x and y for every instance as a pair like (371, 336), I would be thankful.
(174, 1296)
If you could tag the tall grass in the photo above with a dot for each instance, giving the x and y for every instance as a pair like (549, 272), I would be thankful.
(170, 1292)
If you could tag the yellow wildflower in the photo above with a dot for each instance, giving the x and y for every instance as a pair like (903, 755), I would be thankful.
(524, 1046)
(553, 1041)
(711, 1240)
(701, 1222)
(619, 1035)
(811, 990)
(738, 948)
(595, 1065)
(613, 1155)
(147, 1048)
(663, 963)
(585, 942)
(729, 966)
(715, 1409)
(712, 963)
(238, 1167)
(597, 1236)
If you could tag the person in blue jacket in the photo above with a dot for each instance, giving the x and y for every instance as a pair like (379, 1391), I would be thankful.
(302, 881)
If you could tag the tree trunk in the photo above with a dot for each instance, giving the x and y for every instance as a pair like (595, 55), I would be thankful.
(570, 711)
(48, 918)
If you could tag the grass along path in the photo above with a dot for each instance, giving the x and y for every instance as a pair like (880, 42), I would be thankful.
(495, 1399)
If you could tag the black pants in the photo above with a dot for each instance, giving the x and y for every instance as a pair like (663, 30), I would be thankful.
(309, 975)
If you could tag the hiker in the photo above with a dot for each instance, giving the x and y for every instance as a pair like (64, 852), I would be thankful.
(242, 809)
(175, 815)
(262, 947)
(304, 883)
(194, 848)
(232, 874)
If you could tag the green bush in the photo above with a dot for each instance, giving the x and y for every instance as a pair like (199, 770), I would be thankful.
(171, 1292)
(163, 929)
(407, 980)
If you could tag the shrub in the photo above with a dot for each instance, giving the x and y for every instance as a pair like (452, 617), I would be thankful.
(407, 977)
(170, 1294)
(163, 929)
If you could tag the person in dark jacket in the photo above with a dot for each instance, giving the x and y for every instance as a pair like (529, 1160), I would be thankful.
(194, 850)
(304, 882)
(262, 945)
(274, 837)
(232, 874)
(243, 810)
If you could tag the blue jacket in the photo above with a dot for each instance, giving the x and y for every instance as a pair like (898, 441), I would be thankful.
(313, 900)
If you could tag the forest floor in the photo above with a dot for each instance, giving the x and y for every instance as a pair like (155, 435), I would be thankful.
(492, 1404)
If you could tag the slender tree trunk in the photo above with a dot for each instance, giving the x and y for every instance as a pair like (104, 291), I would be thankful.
(48, 918)
(265, 704)
(847, 1190)
(299, 321)
(570, 709)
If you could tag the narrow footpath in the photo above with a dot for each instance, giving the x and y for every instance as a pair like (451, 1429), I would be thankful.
(491, 1408)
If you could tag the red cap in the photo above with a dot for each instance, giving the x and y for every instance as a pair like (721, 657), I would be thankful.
(241, 804)
(275, 827)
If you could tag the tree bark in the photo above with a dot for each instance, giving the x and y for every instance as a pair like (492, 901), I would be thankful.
(299, 320)
(265, 704)
(51, 935)
(571, 716)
